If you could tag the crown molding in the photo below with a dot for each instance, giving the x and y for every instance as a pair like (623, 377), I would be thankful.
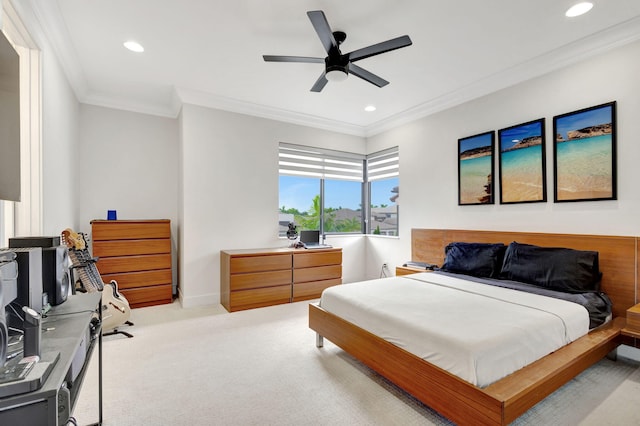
(52, 31)
(233, 105)
(152, 108)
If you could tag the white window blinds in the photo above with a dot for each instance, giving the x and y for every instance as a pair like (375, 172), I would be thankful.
(297, 160)
(383, 164)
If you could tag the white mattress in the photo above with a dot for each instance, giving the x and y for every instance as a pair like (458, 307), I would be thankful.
(479, 333)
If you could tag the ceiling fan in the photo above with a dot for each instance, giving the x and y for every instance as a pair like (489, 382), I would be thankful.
(338, 65)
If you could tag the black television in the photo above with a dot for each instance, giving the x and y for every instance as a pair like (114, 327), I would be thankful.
(9, 121)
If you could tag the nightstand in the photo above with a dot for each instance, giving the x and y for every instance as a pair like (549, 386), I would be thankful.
(633, 322)
(407, 270)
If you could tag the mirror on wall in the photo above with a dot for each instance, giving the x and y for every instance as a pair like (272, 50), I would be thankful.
(9, 121)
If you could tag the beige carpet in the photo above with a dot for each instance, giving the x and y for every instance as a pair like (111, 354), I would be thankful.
(261, 367)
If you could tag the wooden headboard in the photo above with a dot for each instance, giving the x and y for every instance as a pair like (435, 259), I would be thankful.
(617, 255)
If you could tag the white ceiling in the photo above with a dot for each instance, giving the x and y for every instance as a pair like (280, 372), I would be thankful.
(209, 52)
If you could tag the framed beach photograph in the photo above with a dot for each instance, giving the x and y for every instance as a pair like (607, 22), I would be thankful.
(584, 154)
(522, 163)
(475, 169)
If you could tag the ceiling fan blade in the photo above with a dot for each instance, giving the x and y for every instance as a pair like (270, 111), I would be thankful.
(320, 83)
(319, 22)
(376, 49)
(305, 59)
(367, 76)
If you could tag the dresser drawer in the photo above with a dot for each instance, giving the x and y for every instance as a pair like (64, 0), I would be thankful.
(312, 290)
(247, 299)
(317, 274)
(317, 258)
(108, 265)
(129, 230)
(130, 247)
(260, 279)
(147, 296)
(275, 262)
(140, 279)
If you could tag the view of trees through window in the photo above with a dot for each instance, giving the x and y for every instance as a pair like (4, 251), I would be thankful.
(301, 203)
(383, 219)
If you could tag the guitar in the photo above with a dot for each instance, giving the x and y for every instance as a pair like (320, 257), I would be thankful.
(73, 240)
(83, 264)
(115, 307)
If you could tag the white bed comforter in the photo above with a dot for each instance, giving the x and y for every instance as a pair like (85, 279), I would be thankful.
(478, 332)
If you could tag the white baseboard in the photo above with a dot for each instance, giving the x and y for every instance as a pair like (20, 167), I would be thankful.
(200, 300)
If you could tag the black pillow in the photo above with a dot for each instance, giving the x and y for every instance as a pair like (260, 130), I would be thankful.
(563, 269)
(476, 259)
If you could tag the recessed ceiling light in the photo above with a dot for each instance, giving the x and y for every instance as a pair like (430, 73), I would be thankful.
(134, 46)
(370, 108)
(578, 9)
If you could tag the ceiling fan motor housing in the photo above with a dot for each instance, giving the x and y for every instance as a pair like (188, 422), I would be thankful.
(336, 68)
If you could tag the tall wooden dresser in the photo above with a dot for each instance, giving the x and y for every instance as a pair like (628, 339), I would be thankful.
(264, 277)
(137, 254)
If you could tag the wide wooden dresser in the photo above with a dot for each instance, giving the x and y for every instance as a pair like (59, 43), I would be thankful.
(137, 254)
(263, 277)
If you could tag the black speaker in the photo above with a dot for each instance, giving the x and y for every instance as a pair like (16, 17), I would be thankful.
(29, 276)
(55, 274)
(55, 265)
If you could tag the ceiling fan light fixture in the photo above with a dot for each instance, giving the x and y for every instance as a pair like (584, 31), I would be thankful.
(336, 74)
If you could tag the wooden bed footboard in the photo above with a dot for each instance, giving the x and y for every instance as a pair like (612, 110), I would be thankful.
(498, 404)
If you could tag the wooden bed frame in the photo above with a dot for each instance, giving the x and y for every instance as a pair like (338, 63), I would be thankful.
(505, 400)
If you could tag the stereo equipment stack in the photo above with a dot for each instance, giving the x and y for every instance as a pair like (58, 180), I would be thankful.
(55, 266)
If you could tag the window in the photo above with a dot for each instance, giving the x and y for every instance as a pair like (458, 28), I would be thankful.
(299, 203)
(384, 191)
(326, 190)
(320, 189)
(342, 206)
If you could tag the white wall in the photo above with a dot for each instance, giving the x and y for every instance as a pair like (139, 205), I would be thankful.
(230, 193)
(128, 162)
(428, 157)
(60, 146)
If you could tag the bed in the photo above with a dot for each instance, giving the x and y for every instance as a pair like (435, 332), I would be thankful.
(502, 400)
